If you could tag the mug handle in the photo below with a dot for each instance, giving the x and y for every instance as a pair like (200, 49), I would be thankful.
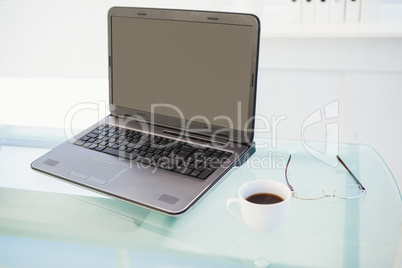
(229, 203)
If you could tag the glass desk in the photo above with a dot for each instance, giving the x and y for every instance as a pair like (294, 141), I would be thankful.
(45, 222)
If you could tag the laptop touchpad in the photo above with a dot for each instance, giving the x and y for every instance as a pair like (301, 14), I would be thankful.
(96, 170)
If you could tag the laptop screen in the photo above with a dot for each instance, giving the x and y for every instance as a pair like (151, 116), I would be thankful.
(198, 71)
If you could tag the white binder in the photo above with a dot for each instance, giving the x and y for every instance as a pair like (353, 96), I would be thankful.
(295, 7)
(308, 9)
(370, 10)
(322, 10)
(337, 10)
(352, 12)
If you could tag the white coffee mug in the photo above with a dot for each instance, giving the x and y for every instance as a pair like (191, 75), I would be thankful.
(264, 217)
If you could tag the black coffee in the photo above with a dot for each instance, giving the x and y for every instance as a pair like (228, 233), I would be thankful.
(264, 198)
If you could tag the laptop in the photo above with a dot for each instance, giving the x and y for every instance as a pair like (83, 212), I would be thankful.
(182, 90)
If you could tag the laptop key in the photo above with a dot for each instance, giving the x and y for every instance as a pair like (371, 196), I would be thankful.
(183, 154)
(195, 173)
(92, 135)
(79, 142)
(183, 170)
(187, 147)
(85, 138)
(208, 171)
(115, 146)
(92, 146)
(111, 151)
(100, 148)
(87, 144)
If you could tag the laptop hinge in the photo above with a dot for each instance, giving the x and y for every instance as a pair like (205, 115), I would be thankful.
(197, 137)
(219, 140)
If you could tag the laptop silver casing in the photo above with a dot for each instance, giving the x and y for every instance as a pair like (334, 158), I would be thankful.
(154, 188)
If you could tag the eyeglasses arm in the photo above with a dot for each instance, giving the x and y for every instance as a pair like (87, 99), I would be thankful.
(350, 172)
(286, 174)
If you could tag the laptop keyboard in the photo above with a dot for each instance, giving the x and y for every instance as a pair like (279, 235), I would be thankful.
(151, 150)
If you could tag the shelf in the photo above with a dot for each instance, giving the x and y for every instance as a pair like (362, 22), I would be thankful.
(276, 22)
(332, 30)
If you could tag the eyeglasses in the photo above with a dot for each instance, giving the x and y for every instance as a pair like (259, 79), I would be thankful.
(350, 191)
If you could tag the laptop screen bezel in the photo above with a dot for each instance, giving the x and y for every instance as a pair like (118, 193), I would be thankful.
(241, 136)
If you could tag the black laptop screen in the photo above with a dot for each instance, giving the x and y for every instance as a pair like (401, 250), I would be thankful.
(189, 70)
